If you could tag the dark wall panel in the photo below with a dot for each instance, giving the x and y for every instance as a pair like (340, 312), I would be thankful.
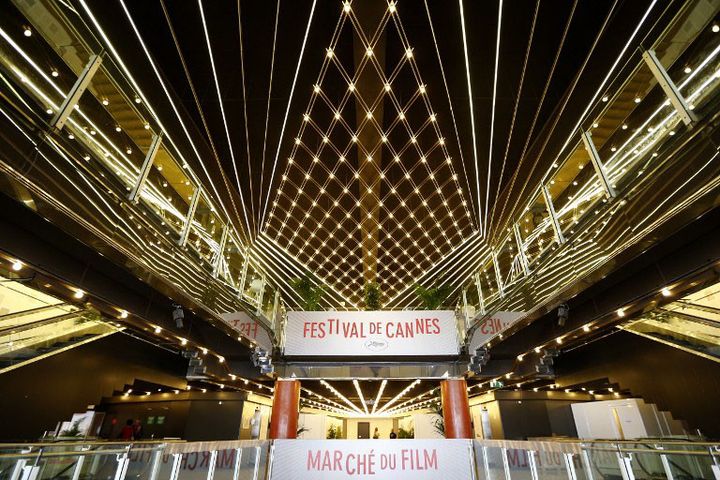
(35, 397)
(686, 385)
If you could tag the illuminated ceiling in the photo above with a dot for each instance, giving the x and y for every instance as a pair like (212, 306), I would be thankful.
(374, 141)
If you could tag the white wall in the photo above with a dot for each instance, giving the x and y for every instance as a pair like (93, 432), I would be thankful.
(315, 425)
(425, 425)
(615, 419)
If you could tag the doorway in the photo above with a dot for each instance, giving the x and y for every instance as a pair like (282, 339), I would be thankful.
(363, 429)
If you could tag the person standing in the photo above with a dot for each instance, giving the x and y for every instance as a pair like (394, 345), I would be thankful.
(137, 430)
(255, 423)
(393, 435)
(126, 433)
(376, 434)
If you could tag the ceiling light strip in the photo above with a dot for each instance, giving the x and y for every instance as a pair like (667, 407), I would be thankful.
(287, 111)
(452, 112)
(224, 119)
(494, 101)
(360, 394)
(167, 135)
(472, 109)
(378, 396)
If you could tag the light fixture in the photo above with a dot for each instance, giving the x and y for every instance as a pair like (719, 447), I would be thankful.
(17, 265)
(558, 340)
(586, 328)
(369, 52)
(158, 329)
(204, 351)
(27, 31)
(346, 7)
(387, 87)
(183, 341)
(351, 87)
(665, 292)
(124, 314)
(79, 294)
(637, 99)
(105, 102)
(54, 73)
(409, 53)
(221, 359)
(605, 98)
(49, 111)
(520, 358)
(422, 88)
(687, 69)
(715, 28)
(620, 312)
(392, 9)
(329, 53)
(537, 349)
(138, 100)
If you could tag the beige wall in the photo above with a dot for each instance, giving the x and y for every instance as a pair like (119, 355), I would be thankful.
(384, 426)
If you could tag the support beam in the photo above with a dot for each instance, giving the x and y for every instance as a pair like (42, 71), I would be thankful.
(145, 169)
(597, 163)
(553, 216)
(456, 408)
(521, 250)
(498, 277)
(190, 215)
(221, 249)
(285, 409)
(668, 86)
(58, 121)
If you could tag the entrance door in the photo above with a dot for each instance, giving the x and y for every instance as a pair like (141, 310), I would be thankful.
(363, 430)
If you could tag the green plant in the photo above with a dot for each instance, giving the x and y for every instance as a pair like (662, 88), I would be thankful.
(402, 433)
(335, 431)
(434, 297)
(372, 296)
(309, 290)
(439, 422)
(73, 431)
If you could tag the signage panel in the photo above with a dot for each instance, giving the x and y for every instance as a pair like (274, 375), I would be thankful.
(491, 326)
(378, 333)
(377, 459)
(248, 328)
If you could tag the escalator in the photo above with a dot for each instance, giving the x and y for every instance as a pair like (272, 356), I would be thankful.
(691, 324)
(35, 325)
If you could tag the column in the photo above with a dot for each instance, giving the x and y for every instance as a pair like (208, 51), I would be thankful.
(285, 409)
(456, 408)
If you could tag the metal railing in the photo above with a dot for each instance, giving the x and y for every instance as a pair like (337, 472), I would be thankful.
(253, 459)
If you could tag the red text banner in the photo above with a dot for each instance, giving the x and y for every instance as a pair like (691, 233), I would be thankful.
(377, 459)
(381, 333)
(248, 328)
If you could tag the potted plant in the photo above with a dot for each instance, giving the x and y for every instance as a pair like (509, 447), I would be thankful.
(373, 296)
(434, 297)
(309, 290)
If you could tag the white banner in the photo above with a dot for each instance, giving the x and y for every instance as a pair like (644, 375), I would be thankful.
(419, 332)
(377, 459)
(248, 328)
(491, 326)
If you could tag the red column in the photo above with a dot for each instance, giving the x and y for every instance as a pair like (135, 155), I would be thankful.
(285, 409)
(456, 408)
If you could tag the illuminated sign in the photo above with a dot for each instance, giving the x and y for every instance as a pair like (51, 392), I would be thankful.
(420, 332)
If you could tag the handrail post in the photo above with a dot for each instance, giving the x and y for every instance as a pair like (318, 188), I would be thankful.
(625, 463)
(587, 464)
(175, 470)
(211, 464)
(156, 461)
(122, 466)
(238, 463)
(271, 453)
(473, 462)
(570, 466)
(82, 82)
(256, 470)
(533, 464)
(506, 464)
(486, 463)
(597, 164)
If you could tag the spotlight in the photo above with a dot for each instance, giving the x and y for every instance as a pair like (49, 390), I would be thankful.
(79, 294)
(17, 265)
(27, 32)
